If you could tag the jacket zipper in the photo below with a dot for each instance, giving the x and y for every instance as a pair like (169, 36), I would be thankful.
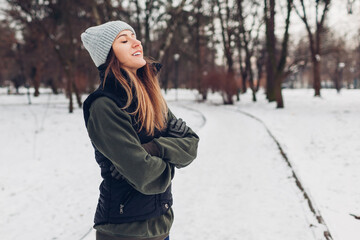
(126, 200)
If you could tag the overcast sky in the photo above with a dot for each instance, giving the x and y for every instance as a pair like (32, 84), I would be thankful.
(338, 19)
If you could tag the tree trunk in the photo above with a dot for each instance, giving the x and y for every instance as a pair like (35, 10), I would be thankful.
(278, 93)
(69, 94)
(315, 40)
(280, 75)
(227, 96)
(243, 81)
(250, 71)
(138, 22)
(199, 49)
(317, 78)
(96, 13)
(77, 93)
(54, 86)
(275, 65)
(37, 78)
(259, 76)
(271, 49)
(260, 62)
(253, 89)
(243, 71)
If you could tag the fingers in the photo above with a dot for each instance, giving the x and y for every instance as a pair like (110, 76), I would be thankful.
(118, 176)
(178, 124)
(114, 173)
(186, 130)
(177, 128)
(182, 127)
(172, 123)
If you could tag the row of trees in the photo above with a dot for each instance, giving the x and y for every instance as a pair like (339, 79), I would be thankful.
(220, 45)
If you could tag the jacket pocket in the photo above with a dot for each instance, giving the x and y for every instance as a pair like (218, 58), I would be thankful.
(126, 200)
(127, 203)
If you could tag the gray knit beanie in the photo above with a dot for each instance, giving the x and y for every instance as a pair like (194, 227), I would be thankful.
(98, 39)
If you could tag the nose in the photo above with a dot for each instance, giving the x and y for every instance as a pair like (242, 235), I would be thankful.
(136, 43)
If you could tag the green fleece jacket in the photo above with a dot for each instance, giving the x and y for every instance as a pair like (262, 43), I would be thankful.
(111, 131)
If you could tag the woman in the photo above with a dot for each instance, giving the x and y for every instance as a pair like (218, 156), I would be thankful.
(137, 140)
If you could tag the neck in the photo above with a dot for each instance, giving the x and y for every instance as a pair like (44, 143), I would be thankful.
(132, 70)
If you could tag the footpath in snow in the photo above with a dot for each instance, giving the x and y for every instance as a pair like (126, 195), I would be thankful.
(239, 187)
(321, 137)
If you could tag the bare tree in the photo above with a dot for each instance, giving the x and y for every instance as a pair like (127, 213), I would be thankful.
(315, 36)
(59, 24)
(335, 59)
(227, 33)
(145, 18)
(171, 26)
(260, 54)
(199, 27)
(247, 41)
(275, 65)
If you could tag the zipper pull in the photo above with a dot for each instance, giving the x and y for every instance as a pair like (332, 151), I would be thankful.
(122, 208)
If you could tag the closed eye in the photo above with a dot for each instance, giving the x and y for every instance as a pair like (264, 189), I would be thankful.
(126, 37)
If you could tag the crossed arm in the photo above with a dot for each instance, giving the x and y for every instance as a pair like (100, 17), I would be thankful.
(111, 132)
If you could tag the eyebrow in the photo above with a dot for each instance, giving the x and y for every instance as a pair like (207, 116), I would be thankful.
(124, 34)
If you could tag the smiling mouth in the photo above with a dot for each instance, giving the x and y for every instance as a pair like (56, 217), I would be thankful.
(137, 54)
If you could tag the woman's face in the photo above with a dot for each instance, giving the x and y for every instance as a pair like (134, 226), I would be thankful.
(128, 50)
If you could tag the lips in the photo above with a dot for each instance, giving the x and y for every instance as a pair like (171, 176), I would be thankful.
(137, 53)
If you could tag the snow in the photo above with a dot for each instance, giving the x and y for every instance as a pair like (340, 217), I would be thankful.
(321, 138)
(239, 187)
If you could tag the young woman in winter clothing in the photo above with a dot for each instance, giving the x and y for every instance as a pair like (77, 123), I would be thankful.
(138, 142)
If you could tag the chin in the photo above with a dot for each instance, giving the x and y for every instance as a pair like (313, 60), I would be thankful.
(142, 64)
(135, 66)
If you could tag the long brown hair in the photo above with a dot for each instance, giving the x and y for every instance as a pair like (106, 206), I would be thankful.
(151, 110)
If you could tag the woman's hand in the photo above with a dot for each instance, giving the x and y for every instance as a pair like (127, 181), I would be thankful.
(177, 128)
(115, 174)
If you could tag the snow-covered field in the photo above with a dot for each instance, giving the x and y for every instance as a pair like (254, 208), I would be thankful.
(239, 187)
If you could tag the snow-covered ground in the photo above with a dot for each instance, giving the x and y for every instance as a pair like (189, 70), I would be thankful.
(239, 187)
(322, 139)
